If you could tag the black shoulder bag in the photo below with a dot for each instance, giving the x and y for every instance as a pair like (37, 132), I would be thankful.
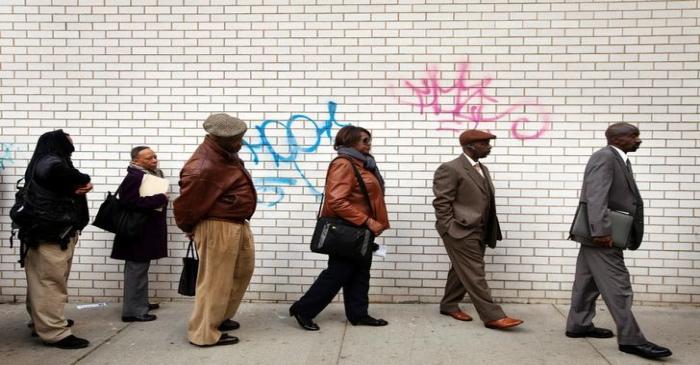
(114, 217)
(335, 236)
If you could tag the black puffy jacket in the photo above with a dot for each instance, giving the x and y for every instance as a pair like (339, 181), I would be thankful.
(52, 212)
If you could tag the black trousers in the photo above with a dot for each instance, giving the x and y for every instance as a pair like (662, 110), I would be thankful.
(351, 275)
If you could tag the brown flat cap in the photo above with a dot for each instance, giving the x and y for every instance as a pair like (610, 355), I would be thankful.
(473, 135)
(224, 125)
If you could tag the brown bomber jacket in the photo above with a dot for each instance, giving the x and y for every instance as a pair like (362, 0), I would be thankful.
(214, 184)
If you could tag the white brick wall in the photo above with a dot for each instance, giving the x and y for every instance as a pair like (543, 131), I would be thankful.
(115, 74)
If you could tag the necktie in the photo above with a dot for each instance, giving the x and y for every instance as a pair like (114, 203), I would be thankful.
(477, 166)
(629, 167)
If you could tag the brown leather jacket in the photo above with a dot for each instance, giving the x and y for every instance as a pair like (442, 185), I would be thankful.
(214, 184)
(344, 198)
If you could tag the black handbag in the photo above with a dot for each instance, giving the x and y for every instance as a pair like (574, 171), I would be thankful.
(114, 217)
(188, 278)
(337, 237)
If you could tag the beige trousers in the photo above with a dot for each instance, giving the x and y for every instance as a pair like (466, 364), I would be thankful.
(47, 268)
(226, 261)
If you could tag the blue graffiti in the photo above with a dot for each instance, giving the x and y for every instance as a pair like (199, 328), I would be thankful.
(5, 154)
(288, 152)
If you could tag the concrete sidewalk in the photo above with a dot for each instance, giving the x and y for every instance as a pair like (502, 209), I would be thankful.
(417, 334)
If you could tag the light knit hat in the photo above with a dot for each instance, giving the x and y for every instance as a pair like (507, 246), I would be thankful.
(224, 125)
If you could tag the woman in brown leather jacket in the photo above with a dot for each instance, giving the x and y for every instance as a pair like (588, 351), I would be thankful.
(344, 199)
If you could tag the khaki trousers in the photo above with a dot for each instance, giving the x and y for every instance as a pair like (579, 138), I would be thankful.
(467, 275)
(47, 268)
(226, 261)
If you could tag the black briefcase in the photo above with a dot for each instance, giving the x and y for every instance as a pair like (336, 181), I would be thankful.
(621, 226)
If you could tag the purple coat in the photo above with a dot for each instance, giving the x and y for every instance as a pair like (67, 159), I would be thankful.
(153, 243)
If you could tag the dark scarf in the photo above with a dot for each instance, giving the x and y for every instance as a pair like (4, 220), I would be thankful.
(367, 160)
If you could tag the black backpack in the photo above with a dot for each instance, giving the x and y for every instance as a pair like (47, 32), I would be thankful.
(16, 210)
(19, 219)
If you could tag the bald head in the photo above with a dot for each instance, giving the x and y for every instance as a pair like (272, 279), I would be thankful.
(620, 130)
(624, 136)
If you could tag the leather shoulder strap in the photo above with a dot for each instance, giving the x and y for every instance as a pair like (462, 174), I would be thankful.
(361, 182)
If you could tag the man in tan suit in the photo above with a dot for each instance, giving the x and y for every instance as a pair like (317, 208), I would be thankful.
(465, 208)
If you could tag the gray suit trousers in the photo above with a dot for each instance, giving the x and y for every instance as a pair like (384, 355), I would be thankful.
(467, 275)
(135, 288)
(602, 271)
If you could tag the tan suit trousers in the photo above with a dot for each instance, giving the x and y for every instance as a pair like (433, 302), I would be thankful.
(47, 268)
(467, 275)
(226, 261)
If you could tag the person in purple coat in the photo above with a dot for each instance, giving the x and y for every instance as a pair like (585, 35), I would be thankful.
(152, 242)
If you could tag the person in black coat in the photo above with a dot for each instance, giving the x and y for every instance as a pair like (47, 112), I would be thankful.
(50, 220)
(152, 240)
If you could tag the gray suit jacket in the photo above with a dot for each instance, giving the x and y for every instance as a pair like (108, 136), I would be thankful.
(609, 185)
(461, 197)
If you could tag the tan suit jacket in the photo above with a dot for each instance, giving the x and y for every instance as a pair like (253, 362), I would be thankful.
(462, 198)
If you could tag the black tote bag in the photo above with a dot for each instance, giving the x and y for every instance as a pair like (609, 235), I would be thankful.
(188, 278)
(337, 237)
(114, 217)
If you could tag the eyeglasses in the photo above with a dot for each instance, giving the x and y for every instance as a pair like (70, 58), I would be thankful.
(366, 140)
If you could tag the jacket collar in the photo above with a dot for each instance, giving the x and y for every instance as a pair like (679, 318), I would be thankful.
(623, 164)
(473, 174)
(210, 144)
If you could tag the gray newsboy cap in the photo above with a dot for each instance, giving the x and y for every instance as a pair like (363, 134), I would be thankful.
(224, 125)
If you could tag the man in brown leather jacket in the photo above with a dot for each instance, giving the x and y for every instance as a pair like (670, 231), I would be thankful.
(217, 198)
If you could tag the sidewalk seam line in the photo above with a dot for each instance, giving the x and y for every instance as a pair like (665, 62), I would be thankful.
(99, 345)
(587, 340)
(342, 342)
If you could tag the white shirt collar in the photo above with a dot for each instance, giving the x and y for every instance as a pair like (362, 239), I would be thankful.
(470, 159)
(622, 154)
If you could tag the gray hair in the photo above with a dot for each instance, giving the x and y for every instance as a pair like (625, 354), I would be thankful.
(136, 150)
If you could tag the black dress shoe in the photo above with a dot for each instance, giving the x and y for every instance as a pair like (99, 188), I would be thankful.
(153, 306)
(34, 334)
(594, 332)
(225, 339)
(229, 325)
(69, 343)
(648, 350)
(369, 321)
(141, 318)
(305, 323)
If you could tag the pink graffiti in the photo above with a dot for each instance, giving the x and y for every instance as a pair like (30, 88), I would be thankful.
(468, 105)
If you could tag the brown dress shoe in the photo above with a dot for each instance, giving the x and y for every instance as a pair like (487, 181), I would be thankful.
(458, 315)
(505, 322)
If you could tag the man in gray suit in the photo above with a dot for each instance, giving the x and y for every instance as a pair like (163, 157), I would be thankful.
(608, 184)
(465, 208)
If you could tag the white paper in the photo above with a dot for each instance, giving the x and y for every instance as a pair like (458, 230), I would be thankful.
(153, 185)
(381, 251)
